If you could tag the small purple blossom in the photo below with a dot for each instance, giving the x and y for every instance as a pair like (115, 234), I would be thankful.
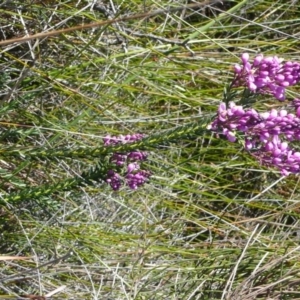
(134, 177)
(122, 139)
(267, 75)
(114, 180)
(267, 135)
(137, 155)
(120, 158)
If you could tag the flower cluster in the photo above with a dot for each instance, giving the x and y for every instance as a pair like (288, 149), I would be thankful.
(122, 139)
(134, 176)
(266, 135)
(268, 75)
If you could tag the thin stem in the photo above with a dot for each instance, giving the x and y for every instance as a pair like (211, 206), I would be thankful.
(96, 173)
(147, 143)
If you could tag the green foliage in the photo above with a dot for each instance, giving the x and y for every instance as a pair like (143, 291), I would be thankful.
(210, 224)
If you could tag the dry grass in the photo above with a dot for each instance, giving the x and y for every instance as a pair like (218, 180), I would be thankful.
(211, 223)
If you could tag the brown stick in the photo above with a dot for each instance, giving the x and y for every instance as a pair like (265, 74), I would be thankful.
(103, 23)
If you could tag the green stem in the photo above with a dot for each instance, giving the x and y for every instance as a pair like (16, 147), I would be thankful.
(99, 171)
(96, 173)
(147, 143)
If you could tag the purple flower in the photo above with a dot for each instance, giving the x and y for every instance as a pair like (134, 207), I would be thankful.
(114, 180)
(114, 140)
(120, 158)
(267, 135)
(267, 75)
(134, 177)
(137, 155)
(132, 167)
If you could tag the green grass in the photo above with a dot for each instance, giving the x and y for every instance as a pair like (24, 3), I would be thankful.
(210, 224)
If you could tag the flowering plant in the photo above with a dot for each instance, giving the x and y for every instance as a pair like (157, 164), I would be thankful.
(267, 136)
(268, 75)
(134, 176)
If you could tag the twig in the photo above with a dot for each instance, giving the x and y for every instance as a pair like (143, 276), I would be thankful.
(104, 23)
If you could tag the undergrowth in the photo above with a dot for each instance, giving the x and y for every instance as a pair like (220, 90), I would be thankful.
(210, 223)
